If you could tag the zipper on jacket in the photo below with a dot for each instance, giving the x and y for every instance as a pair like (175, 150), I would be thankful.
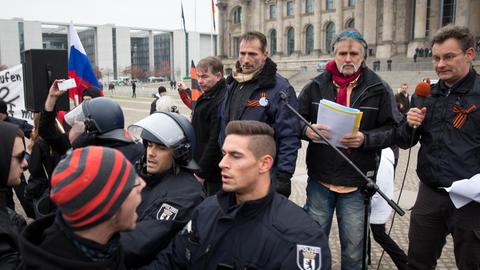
(363, 92)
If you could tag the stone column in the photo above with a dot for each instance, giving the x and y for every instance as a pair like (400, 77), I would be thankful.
(317, 28)
(243, 25)
(151, 51)
(298, 28)
(385, 50)
(339, 15)
(462, 12)
(359, 15)
(420, 20)
(370, 23)
(222, 17)
(280, 31)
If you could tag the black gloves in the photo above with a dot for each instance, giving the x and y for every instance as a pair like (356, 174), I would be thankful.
(283, 183)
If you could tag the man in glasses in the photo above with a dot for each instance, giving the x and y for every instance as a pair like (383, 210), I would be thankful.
(97, 192)
(448, 130)
(12, 164)
(333, 185)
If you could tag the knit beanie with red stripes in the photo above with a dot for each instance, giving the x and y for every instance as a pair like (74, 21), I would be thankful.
(90, 185)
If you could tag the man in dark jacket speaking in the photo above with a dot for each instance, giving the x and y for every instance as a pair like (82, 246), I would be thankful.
(247, 225)
(332, 183)
(447, 127)
(253, 93)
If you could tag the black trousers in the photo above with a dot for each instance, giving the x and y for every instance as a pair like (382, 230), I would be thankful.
(398, 256)
(434, 217)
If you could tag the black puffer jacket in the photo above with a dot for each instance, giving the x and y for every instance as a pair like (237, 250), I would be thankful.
(167, 204)
(375, 99)
(206, 123)
(447, 154)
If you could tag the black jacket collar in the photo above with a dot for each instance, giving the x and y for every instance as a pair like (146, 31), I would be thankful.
(460, 87)
(230, 208)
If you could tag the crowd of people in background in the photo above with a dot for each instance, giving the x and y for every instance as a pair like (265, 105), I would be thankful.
(210, 190)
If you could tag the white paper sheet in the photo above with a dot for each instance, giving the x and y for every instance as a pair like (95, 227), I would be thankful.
(464, 191)
(340, 119)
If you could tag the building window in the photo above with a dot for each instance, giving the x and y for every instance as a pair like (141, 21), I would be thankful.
(448, 11)
(309, 39)
(308, 6)
(329, 35)
(350, 23)
(236, 46)
(290, 8)
(237, 15)
(290, 40)
(273, 42)
(272, 11)
(352, 3)
(329, 4)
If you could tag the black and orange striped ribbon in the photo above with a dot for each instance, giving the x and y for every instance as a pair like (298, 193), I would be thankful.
(251, 103)
(461, 116)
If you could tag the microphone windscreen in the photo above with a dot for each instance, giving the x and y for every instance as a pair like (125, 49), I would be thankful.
(422, 89)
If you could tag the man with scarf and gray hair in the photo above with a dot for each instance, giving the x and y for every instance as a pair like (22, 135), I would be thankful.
(332, 183)
(253, 93)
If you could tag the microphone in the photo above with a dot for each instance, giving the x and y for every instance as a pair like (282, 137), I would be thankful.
(421, 91)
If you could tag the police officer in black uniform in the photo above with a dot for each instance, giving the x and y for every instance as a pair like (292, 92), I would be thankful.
(97, 121)
(172, 191)
(247, 225)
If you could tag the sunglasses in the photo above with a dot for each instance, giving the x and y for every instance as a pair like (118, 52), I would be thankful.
(21, 156)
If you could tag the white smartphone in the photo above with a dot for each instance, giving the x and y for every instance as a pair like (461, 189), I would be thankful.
(67, 84)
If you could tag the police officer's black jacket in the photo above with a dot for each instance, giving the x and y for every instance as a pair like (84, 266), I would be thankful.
(268, 233)
(375, 99)
(207, 128)
(167, 204)
(447, 154)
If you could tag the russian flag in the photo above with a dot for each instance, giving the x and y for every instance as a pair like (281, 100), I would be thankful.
(79, 67)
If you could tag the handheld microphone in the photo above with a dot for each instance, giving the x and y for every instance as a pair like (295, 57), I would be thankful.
(421, 91)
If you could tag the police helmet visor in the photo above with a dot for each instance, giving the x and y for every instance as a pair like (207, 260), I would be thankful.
(158, 128)
(75, 115)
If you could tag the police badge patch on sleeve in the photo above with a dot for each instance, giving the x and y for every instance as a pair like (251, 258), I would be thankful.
(309, 257)
(167, 212)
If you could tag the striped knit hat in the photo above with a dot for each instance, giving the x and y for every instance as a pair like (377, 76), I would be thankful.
(90, 185)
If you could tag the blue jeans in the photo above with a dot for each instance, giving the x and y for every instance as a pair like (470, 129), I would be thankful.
(320, 205)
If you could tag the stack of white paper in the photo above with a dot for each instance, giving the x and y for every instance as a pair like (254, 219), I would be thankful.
(340, 119)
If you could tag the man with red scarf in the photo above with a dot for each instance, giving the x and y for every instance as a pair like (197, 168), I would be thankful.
(332, 183)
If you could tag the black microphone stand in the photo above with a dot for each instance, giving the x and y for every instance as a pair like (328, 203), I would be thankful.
(370, 187)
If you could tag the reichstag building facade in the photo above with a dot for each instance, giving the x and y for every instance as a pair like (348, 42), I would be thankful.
(300, 32)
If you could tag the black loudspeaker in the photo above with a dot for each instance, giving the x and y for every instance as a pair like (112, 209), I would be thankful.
(40, 69)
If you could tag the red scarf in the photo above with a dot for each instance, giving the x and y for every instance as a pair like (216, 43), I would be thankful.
(341, 80)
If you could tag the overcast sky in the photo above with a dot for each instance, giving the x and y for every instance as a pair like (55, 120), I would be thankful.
(162, 14)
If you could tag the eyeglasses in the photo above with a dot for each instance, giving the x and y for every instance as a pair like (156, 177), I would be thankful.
(446, 58)
(21, 156)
